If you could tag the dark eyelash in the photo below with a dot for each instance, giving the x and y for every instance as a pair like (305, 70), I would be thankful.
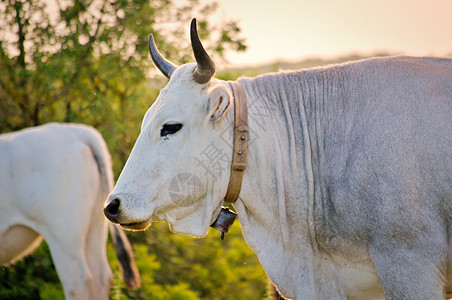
(170, 129)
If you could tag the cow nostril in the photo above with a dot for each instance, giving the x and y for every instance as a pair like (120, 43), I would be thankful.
(112, 208)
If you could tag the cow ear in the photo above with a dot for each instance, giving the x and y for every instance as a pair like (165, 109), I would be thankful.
(220, 100)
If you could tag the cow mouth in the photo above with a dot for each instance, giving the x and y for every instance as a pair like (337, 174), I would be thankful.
(136, 226)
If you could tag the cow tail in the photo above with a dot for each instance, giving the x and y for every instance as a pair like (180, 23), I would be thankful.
(123, 249)
(125, 256)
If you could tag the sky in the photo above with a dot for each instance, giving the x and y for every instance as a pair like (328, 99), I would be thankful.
(291, 30)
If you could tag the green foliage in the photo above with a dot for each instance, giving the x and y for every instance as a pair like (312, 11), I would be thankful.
(175, 266)
(94, 68)
(33, 277)
(87, 61)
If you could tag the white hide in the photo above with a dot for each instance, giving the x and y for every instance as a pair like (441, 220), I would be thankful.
(53, 181)
(348, 191)
(154, 156)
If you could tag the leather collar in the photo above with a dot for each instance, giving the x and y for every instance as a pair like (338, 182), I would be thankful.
(240, 145)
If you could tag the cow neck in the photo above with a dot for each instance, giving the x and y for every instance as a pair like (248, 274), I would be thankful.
(240, 141)
(226, 217)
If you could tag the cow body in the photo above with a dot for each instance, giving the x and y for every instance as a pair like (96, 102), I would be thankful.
(348, 189)
(361, 167)
(53, 179)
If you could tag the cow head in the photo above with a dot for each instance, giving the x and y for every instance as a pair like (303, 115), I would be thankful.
(165, 177)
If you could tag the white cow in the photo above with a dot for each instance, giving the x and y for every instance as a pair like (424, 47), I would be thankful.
(53, 182)
(348, 189)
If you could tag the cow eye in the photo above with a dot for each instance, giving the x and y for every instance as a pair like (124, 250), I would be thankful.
(170, 129)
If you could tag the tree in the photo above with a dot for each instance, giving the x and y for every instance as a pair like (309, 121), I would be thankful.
(46, 54)
(87, 61)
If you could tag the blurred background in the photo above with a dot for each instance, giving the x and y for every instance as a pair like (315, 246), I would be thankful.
(290, 30)
(87, 61)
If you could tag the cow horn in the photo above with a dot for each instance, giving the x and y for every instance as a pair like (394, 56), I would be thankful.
(164, 65)
(206, 67)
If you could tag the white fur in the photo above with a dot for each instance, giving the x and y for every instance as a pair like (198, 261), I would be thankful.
(53, 180)
(347, 193)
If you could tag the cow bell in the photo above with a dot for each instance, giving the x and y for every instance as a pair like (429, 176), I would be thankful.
(224, 221)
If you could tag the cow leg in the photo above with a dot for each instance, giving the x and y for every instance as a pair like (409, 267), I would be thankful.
(79, 252)
(413, 269)
(98, 266)
(96, 253)
(72, 268)
(405, 275)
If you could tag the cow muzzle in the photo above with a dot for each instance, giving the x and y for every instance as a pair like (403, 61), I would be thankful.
(115, 214)
(111, 210)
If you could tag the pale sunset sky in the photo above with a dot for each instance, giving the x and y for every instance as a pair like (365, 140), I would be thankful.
(295, 29)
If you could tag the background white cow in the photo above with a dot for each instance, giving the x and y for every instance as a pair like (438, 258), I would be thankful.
(53, 182)
(348, 189)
